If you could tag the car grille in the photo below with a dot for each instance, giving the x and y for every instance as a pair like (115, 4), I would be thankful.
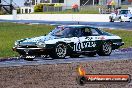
(28, 46)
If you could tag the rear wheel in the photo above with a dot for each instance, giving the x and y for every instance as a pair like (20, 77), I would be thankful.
(105, 49)
(111, 19)
(59, 51)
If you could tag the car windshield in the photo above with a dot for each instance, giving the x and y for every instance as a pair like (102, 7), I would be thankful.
(124, 11)
(65, 32)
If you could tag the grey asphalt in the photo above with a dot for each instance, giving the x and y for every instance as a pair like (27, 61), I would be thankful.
(114, 25)
(122, 54)
(116, 55)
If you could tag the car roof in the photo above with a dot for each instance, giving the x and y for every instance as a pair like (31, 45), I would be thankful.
(76, 26)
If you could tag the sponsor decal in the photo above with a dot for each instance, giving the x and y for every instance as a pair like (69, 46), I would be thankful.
(82, 45)
(84, 78)
(30, 56)
(89, 38)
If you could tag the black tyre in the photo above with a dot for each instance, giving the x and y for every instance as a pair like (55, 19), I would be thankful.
(59, 51)
(111, 19)
(120, 20)
(105, 49)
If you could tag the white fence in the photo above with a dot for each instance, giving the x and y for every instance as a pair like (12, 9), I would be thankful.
(60, 17)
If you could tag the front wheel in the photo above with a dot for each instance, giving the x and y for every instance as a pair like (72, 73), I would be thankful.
(105, 49)
(111, 20)
(120, 20)
(59, 51)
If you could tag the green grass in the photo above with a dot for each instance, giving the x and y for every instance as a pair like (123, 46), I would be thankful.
(83, 10)
(69, 11)
(125, 35)
(10, 32)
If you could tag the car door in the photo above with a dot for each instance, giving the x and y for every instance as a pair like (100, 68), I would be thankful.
(72, 38)
(118, 15)
(88, 39)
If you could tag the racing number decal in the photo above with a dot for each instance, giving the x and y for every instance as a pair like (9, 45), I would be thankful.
(81, 45)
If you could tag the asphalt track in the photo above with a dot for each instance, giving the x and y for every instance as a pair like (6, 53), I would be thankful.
(116, 55)
(122, 54)
(114, 25)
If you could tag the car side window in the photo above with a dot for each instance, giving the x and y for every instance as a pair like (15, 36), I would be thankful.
(94, 32)
(129, 12)
(71, 32)
(76, 32)
(123, 12)
(86, 31)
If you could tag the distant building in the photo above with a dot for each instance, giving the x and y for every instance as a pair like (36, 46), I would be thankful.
(126, 2)
(30, 2)
(86, 2)
(108, 2)
(79, 2)
(69, 3)
(26, 9)
(28, 6)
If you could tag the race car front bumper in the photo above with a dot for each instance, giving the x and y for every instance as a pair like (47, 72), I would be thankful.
(117, 45)
(127, 19)
(32, 51)
(130, 19)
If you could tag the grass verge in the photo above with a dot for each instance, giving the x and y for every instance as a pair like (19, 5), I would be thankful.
(81, 12)
(89, 11)
(10, 32)
(126, 36)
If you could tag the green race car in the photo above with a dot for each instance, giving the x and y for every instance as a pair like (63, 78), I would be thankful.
(69, 40)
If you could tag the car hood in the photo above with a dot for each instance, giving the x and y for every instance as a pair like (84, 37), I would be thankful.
(35, 40)
(128, 15)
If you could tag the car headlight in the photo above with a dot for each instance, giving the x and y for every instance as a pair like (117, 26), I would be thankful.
(41, 44)
(16, 43)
